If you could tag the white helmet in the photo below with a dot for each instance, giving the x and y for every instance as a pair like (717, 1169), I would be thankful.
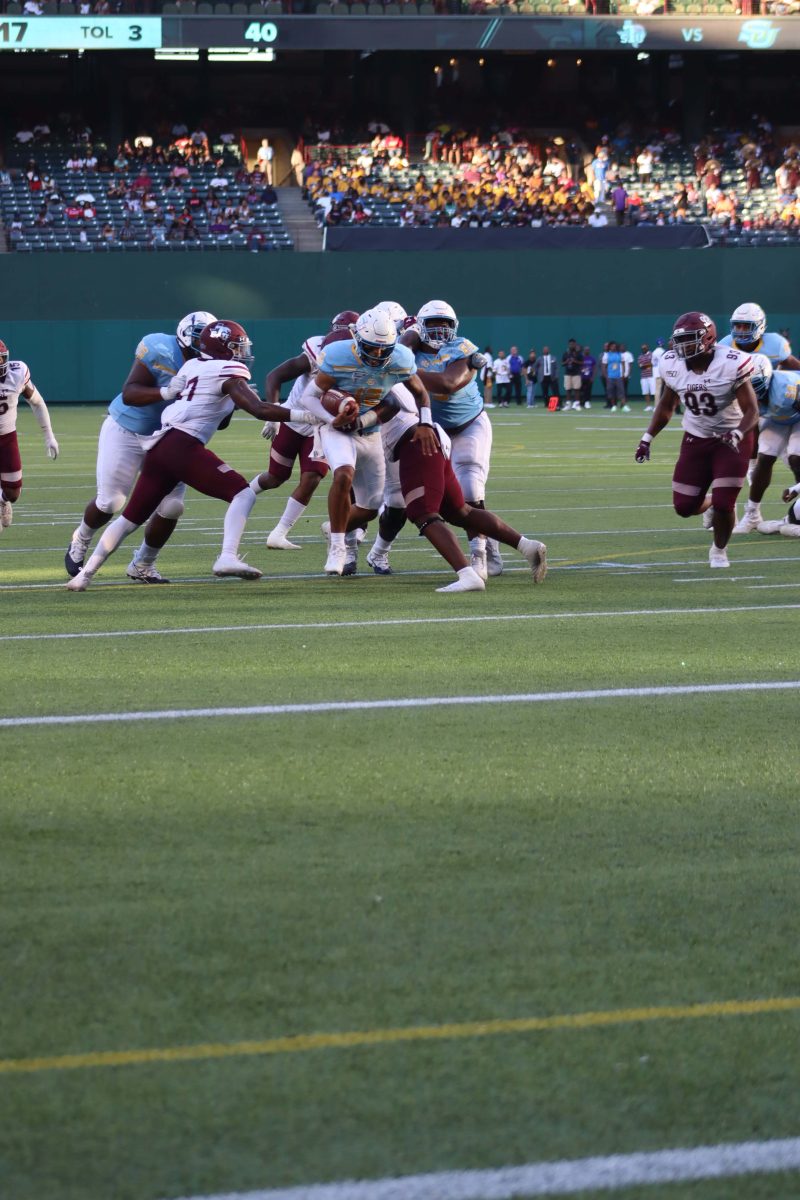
(438, 323)
(396, 312)
(190, 328)
(375, 335)
(748, 323)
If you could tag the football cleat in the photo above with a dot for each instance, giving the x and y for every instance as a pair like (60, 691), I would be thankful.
(334, 563)
(79, 582)
(626, 408)
(494, 561)
(770, 526)
(76, 553)
(235, 567)
(468, 581)
(144, 572)
(379, 561)
(479, 565)
(536, 554)
(717, 557)
(789, 529)
(750, 520)
(6, 513)
(279, 541)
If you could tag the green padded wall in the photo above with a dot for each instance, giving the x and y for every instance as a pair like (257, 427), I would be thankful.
(76, 319)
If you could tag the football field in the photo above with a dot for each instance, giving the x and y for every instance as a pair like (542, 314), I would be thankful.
(310, 880)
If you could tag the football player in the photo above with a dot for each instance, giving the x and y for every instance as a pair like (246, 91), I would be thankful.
(432, 495)
(789, 525)
(720, 413)
(749, 333)
(367, 367)
(779, 437)
(447, 366)
(290, 442)
(15, 381)
(204, 394)
(133, 416)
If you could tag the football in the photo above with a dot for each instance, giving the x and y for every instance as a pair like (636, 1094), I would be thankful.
(335, 401)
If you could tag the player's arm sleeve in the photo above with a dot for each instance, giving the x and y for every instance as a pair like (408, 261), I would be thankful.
(310, 402)
(36, 401)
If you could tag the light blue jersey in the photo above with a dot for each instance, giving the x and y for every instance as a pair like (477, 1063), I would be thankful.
(452, 412)
(163, 357)
(367, 384)
(783, 399)
(774, 345)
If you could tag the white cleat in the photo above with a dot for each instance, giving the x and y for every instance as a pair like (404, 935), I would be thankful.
(334, 563)
(576, 405)
(468, 581)
(770, 526)
(718, 558)
(379, 561)
(588, 404)
(613, 408)
(708, 519)
(230, 565)
(479, 566)
(6, 513)
(536, 554)
(351, 545)
(788, 529)
(494, 561)
(79, 582)
(749, 521)
(144, 573)
(648, 408)
(279, 541)
(626, 408)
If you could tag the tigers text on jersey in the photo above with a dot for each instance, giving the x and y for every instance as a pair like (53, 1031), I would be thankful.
(708, 397)
(774, 345)
(783, 399)
(367, 384)
(162, 355)
(464, 405)
(202, 403)
(11, 388)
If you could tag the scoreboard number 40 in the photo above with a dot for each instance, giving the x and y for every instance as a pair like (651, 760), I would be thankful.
(258, 31)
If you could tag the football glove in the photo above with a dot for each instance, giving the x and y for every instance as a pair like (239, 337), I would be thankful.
(732, 438)
(477, 360)
(269, 430)
(642, 451)
(51, 446)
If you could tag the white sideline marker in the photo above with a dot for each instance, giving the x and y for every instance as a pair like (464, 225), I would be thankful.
(363, 706)
(564, 1178)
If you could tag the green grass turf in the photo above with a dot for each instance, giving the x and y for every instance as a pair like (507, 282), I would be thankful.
(165, 884)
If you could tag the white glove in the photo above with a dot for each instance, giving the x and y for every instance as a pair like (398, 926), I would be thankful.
(51, 446)
(172, 389)
(732, 438)
(477, 360)
(270, 429)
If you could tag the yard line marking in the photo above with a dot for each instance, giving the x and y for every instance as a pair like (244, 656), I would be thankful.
(304, 1042)
(362, 706)
(561, 1178)
(398, 621)
(755, 586)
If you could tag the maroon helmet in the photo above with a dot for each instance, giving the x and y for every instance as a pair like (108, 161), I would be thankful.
(226, 339)
(3, 360)
(693, 334)
(344, 320)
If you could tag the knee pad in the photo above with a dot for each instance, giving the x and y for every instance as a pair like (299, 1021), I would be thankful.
(171, 508)
(114, 502)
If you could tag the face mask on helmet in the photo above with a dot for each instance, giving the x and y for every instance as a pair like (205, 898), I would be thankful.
(242, 350)
(374, 354)
(438, 331)
(745, 333)
(688, 344)
(376, 337)
(190, 328)
(3, 360)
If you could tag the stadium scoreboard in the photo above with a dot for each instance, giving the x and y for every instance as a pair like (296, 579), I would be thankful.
(479, 33)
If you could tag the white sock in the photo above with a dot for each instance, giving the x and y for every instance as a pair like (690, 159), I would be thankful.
(380, 546)
(255, 485)
(752, 506)
(236, 519)
(478, 544)
(291, 514)
(84, 532)
(796, 510)
(337, 539)
(2, 495)
(111, 537)
(351, 538)
(146, 554)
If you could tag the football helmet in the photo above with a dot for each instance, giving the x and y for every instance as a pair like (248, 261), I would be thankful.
(343, 320)
(3, 360)
(748, 323)
(438, 323)
(190, 328)
(396, 312)
(376, 336)
(226, 339)
(693, 334)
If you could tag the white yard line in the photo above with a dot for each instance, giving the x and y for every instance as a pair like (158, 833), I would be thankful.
(402, 622)
(395, 704)
(564, 1178)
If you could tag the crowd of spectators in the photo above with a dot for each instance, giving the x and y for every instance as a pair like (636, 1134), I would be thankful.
(570, 380)
(735, 179)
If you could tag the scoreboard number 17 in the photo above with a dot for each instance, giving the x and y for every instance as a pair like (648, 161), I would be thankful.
(12, 31)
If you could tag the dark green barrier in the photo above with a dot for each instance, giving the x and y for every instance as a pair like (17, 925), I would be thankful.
(76, 319)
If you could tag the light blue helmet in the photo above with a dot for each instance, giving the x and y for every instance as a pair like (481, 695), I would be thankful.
(748, 323)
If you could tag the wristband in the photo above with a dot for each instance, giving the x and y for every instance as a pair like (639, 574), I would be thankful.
(368, 420)
(425, 417)
(646, 437)
(299, 416)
